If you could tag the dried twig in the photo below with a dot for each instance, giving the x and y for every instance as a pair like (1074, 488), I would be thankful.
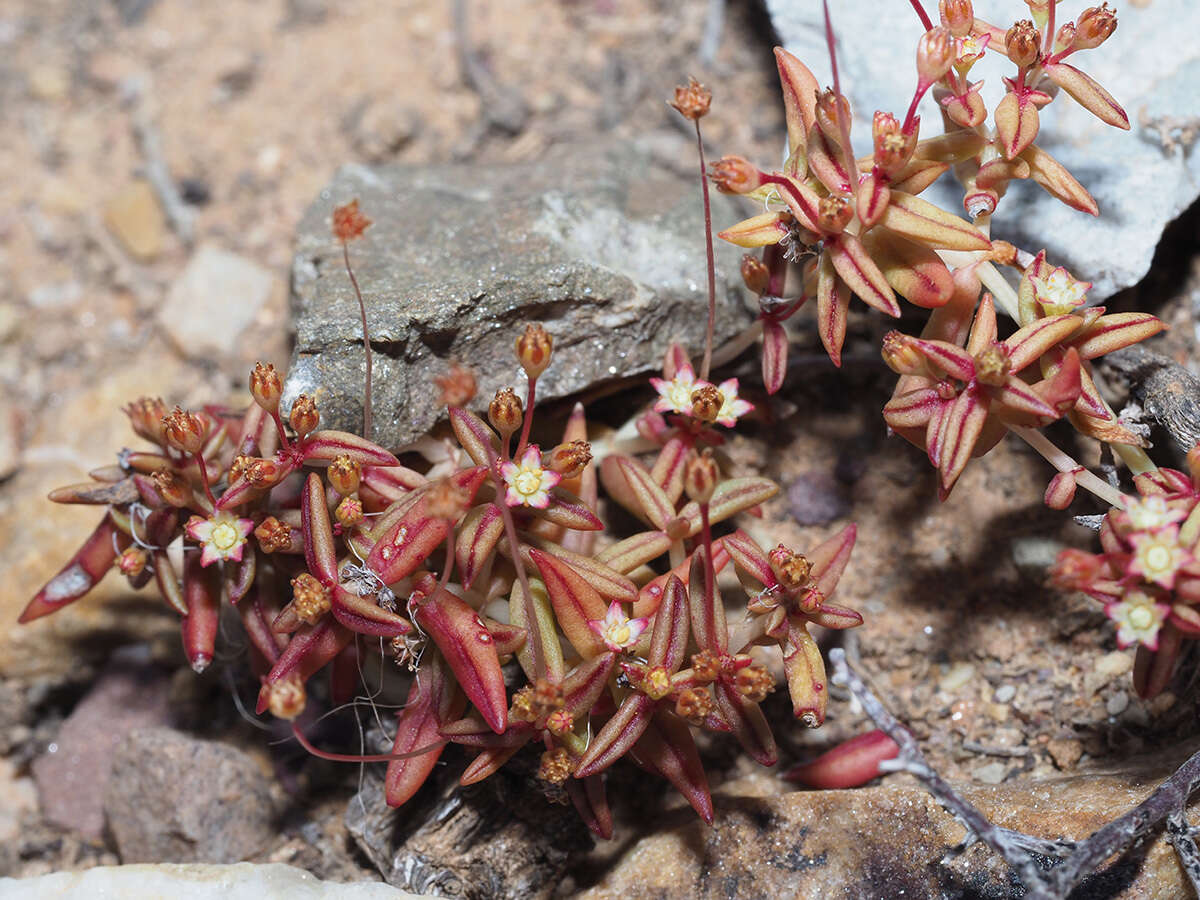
(179, 214)
(1075, 860)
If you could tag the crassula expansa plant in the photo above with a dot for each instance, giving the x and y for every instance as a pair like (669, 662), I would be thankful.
(486, 570)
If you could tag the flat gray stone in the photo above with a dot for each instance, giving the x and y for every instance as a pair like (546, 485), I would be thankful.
(214, 300)
(600, 244)
(1139, 184)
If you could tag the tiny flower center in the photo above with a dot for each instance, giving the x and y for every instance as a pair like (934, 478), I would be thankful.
(993, 365)
(619, 634)
(225, 536)
(1141, 617)
(1158, 558)
(528, 482)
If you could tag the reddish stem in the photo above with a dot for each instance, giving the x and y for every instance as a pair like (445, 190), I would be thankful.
(283, 438)
(1048, 38)
(204, 479)
(362, 309)
(921, 14)
(530, 396)
(706, 537)
(708, 249)
(361, 758)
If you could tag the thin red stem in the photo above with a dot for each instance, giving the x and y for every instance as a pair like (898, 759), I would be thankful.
(530, 396)
(361, 758)
(204, 479)
(921, 14)
(708, 249)
(534, 641)
(449, 555)
(283, 438)
(1048, 38)
(362, 309)
(706, 537)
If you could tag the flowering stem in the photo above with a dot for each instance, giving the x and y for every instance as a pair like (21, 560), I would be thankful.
(708, 249)
(283, 438)
(921, 14)
(1064, 463)
(362, 309)
(706, 537)
(353, 758)
(1134, 457)
(449, 566)
(204, 478)
(528, 422)
(532, 623)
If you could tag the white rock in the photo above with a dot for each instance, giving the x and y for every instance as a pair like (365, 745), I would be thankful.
(243, 881)
(1138, 184)
(213, 301)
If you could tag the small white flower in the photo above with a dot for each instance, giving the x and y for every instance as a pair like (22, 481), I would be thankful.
(528, 483)
(617, 630)
(732, 407)
(222, 537)
(676, 395)
(1152, 513)
(1157, 556)
(1138, 619)
(1059, 292)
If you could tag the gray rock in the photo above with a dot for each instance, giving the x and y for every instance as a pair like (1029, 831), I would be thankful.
(171, 798)
(213, 301)
(494, 840)
(1140, 182)
(71, 775)
(598, 243)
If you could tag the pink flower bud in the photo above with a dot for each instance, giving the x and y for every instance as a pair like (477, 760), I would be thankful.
(1023, 43)
(1094, 26)
(1061, 490)
(734, 175)
(957, 15)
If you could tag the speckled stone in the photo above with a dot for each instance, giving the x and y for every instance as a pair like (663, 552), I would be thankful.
(599, 243)
(171, 798)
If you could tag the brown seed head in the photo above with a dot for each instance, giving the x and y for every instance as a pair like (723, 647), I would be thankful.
(700, 476)
(310, 598)
(555, 766)
(706, 403)
(132, 562)
(348, 222)
(559, 722)
(789, 567)
(1065, 37)
(755, 273)
(957, 15)
(900, 352)
(304, 416)
(533, 349)
(810, 601)
(266, 386)
(457, 386)
(993, 364)
(1023, 43)
(893, 148)
(505, 411)
(832, 112)
(237, 468)
(349, 512)
(734, 175)
(935, 55)
(1094, 26)
(286, 697)
(345, 474)
(446, 500)
(694, 704)
(172, 487)
(263, 473)
(146, 418)
(706, 665)
(692, 100)
(185, 431)
(754, 682)
(522, 705)
(569, 459)
(273, 535)
(834, 213)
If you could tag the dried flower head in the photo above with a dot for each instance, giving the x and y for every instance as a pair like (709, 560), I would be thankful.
(310, 599)
(457, 386)
(706, 402)
(694, 704)
(348, 222)
(754, 682)
(534, 348)
(146, 416)
(700, 476)
(304, 416)
(345, 474)
(1094, 26)
(446, 500)
(172, 487)
(286, 697)
(555, 766)
(692, 100)
(1023, 43)
(957, 15)
(273, 536)
(789, 567)
(349, 512)
(266, 386)
(505, 412)
(132, 561)
(185, 431)
(569, 459)
(734, 175)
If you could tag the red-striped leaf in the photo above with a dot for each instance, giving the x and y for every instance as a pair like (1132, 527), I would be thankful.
(805, 672)
(465, 642)
(1016, 118)
(1085, 91)
(669, 639)
(848, 765)
(552, 654)
(749, 557)
(1028, 343)
(575, 602)
(480, 532)
(667, 747)
(202, 594)
(963, 422)
(617, 736)
(667, 470)
(91, 562)
(1053, 177)
(329, 445)
(705, 607)
(800, 89)
(474, 435)
(636, 550)
(833, 304)
(860, 273)
(748, 724)
(432, 699)
(320, 552)
(364, 616)
(406, 545)
(1114, 331)
(921, 221)
(774, 358)
(591, 803)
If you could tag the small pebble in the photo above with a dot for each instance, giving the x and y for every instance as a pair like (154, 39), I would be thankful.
(1162, 703)
(1065, 752)
(1115, 664)
(1005, 693)
(1117, 703)
(958, 675)
(992, 773)
(816, 498)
